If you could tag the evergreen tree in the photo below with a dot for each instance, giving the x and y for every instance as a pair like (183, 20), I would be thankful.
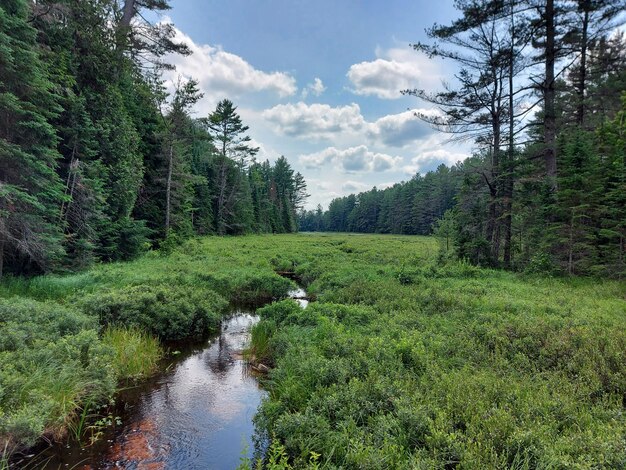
(228, 133)
(178, 179)
(31, 192)
(484, 42)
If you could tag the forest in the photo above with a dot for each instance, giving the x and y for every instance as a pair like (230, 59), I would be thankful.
(99, 162)
(541, 93)
(169, 298)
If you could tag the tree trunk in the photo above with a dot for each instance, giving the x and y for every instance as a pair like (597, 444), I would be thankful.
(570, 257)
(580, 111)
(549, 96)
(621, 257)
(1, 255)
(508, 179)
(492, 217)
(168, 188)
(128, 12)
(123, 27)
(221, 199)
(494, 203)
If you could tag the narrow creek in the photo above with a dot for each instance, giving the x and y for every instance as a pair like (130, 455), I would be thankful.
(195, 414)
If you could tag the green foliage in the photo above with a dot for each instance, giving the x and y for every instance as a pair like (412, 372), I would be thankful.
(52, 360)
(171, 312)
(446, 230)
(405, 208)
(400, 363)
(414, 365)
(31, 191)
(103, 163)
(279, 311)
(55, 369)
(123, 239)
(260, 347)
(136, 353)
(539, 196)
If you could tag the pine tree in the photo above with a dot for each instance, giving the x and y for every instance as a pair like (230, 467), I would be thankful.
(178, 179)
(612, 234)
(484, 45)
(31, 192)
(228, 133)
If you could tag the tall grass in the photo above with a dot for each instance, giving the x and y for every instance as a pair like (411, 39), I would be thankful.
(260, 346)
(48, 287)
(4, 456)
(136, 353)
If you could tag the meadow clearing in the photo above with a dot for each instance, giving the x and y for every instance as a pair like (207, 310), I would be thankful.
(401, 361)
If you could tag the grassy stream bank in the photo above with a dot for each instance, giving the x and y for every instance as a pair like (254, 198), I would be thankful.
(67, 342)
(400, 363)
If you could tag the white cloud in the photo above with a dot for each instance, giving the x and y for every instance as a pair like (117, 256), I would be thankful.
(354, 186)
(382, 78)
(321, 121)
(427, 159)
(399, 130)
(351, 160)
(393, 70)
(223, 74)
(316, 121)
(265, 152)
(316, 88)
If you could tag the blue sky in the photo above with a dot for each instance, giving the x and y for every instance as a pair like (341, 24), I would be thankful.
(318, 82)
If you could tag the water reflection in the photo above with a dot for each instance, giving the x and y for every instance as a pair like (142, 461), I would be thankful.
(299, 295)
(200, 414)
(196, 415)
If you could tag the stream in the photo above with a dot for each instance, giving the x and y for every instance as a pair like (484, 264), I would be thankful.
(194, 414)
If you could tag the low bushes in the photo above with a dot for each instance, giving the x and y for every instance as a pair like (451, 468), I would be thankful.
(52, 360)
(171, 312)
(412, 365)
(249, 286)
(66, 341)
(399, 364)
(54, 363)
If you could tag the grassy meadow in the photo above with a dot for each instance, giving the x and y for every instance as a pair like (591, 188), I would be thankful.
(400, 362)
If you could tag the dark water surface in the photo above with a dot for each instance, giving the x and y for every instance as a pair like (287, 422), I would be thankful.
(197, 414)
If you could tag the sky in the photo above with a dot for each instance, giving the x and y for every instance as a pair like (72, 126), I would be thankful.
(319, 82)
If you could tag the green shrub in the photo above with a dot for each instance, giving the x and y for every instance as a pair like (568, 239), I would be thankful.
(279, 311)
(401, 363)
(249, 286)
(416, 365)
(25, 322)
(51, 360)
(171, 312)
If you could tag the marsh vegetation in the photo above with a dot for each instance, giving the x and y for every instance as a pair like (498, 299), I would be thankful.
(400, 362)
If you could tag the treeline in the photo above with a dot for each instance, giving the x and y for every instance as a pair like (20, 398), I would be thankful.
(97, 161)
(409, 208)
(541, 92)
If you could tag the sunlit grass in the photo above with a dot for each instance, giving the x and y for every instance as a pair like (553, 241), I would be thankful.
(136, 353)
(400, 362)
